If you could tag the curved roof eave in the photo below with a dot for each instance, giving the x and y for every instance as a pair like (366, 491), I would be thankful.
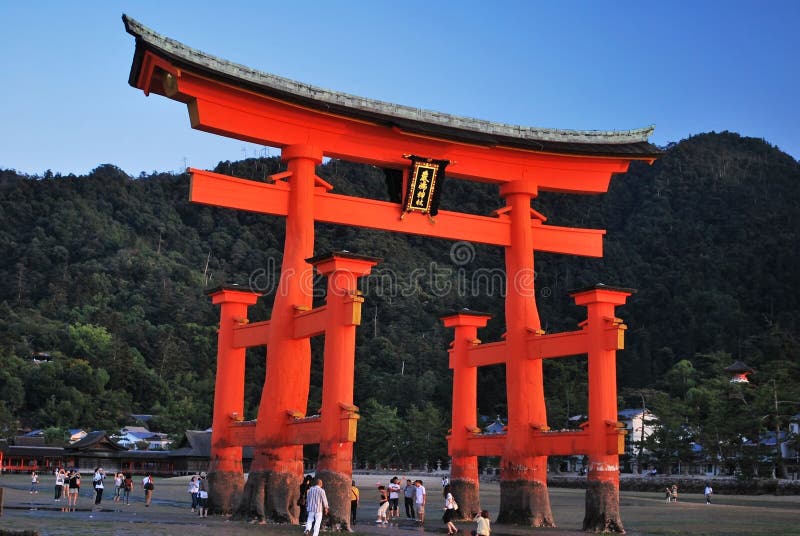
(628, 143)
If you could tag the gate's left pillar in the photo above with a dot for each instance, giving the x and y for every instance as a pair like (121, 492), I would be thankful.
(464, 478)
(225, 473)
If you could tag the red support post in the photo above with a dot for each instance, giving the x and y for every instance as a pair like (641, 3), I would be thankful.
(602, 492)
(338, 415)
(225, 474)
(464, 478)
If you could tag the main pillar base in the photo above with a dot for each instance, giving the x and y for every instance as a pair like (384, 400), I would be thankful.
(225, 491)
(525, 502)
(467, 495)
(602, 508)
(270, 495)
(337, 488)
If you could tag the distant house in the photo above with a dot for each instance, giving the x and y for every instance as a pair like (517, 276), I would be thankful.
(639, 425)
(131, 437)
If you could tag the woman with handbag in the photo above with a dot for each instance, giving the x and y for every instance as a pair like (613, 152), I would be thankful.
(450, 510)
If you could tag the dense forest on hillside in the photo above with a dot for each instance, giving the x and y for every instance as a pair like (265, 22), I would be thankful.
(108, 275)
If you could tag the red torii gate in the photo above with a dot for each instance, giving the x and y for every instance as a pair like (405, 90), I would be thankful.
(308, 123)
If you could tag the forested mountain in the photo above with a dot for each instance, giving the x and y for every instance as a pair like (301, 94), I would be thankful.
(108, 274)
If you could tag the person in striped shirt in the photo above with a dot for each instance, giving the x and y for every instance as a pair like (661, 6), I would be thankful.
(317, 506)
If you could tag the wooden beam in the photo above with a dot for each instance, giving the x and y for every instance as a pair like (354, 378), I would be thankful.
(221, 190)
(249, 335)
(310, 323)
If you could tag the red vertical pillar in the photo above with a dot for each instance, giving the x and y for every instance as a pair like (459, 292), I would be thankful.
(225, 475)
(273, 483)
(602, 492)
(338, 414)
(523, 485)
(464, 478)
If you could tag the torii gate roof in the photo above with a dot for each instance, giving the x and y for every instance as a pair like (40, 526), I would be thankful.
(629, 144)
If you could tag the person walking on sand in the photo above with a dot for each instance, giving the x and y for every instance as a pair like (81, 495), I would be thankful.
(450, 510)
(148, 486)
(34, 482)
(707, 492)
(316, 506)
(119, 481)
(127, 488)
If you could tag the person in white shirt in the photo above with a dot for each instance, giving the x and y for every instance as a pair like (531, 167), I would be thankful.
(419, 501)
(394, 498)
(317, 506)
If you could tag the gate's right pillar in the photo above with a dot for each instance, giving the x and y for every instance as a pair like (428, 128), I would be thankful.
(604, 332)
(524, 497)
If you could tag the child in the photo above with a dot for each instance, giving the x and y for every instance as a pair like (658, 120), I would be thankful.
(484, 525)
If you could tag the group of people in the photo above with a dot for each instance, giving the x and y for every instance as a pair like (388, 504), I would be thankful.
(313, 502)
(671, 493)
(414, 495)
(198, 488)
(68, 485)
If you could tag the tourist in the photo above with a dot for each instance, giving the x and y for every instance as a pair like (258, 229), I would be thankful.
(202, 498)
(74, 490)
(148, 485)
(668, 494)
(316, 506)
(194, 490)
(301, 501)
(707, 492)
(59, 488)
(383, 505)
(409, 491)
(419, 501)
(450, 510)
(34, 482)
(127, 488)
(119, 482)
(394, 498)
(97, 482)
(484, 525)
(674, 495)
(355, 495)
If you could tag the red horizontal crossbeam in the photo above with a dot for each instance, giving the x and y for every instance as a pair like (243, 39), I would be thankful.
(249, 335)
(223, 191)
(546, 443)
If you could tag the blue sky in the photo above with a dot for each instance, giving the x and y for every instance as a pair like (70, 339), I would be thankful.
(687, 67)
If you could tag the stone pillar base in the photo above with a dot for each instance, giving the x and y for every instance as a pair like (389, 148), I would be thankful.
(270, 495)
(467, 495)
(602, 508)
(525, 502)
(224, 491)
(337, 489)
